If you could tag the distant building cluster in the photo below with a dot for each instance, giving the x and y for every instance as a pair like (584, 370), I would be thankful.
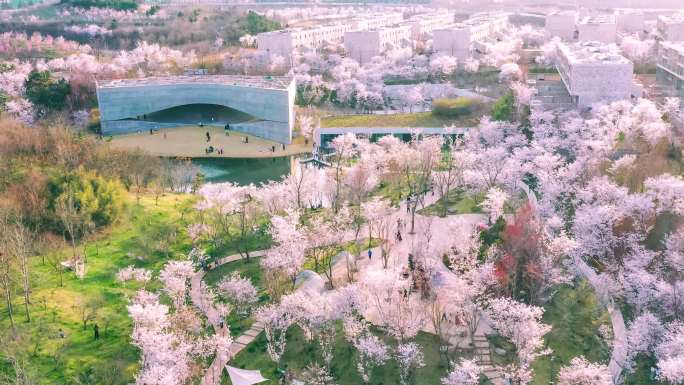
(669, 66)
(460, 39)
(369, 36)
(284, 42)
(605, 28)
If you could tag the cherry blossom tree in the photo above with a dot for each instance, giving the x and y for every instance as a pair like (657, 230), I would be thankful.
(372, 353)
(409, 356)
(467, 372)
(239, 291)
(380, 216)
(389, 297)
(175, 276)
(521, 324)
(510, 72)
(288, 254)
(582, 372)
(670, 353)
(494, 203)
(234, 210)
(276, 319)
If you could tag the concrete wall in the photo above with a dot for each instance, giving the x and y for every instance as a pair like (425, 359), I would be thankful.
(601, 32)
(630, 22)
(561, 25)
(362, 45)
(276, 42)
(453, 42)
(273, 107)
(592, 83)
(671, 32)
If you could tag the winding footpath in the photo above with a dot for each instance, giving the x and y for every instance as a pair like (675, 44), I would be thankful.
(619, 354)
(213, 374)
(444, 228)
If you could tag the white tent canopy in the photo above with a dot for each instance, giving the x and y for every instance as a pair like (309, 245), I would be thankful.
(244, 377)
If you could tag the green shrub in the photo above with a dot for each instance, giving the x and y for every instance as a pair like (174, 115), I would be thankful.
(455, 107)
(121, 5)
(42, 90)
(504, 108)
(98, 200)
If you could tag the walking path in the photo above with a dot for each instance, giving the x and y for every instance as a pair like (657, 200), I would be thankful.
(619, 354)
(213, 374)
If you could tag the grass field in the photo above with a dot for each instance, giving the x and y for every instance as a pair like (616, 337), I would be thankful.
(457, 202)
(54, 360)
(416, 119)
(575, 315)
(299, 353)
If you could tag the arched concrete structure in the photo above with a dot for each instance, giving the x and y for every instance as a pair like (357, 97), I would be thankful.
(270, 100)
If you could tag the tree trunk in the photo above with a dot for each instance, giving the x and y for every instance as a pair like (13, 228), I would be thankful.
(8, 299)
(27, 291)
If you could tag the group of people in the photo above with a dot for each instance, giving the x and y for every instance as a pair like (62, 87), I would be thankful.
(211, 149)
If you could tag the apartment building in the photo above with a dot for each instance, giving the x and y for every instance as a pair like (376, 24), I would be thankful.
(671, 27)
(630, 21)
(562, 24)
(363, 45)
(283, 42)
(601, 28)
(458, 39)
(423, 24)
(670, 68)
(594, 72)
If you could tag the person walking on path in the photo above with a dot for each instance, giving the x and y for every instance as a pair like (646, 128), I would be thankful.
(370, 253)
(208, 137)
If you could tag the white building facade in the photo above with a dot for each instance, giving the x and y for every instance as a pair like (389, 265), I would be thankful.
(284, 42)
(363, 45)
(593, 72)
(561, 24)
(598, 28)
(671, 27)
(630, 21)
(457, 40)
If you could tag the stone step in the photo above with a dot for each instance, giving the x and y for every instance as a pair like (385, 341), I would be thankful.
(244, 339)
(253, 332)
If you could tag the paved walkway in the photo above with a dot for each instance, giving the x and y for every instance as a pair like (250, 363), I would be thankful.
(619, 354)
(213, 374)
(191, 141)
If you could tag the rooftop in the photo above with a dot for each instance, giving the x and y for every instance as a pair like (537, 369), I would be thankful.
(476, 20)
(677, 46)
(675, 18)
(562, 12)
(271, 82)
(592, 53)
(600, 19)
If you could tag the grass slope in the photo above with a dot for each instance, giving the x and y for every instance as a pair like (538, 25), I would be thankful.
(111, 359)
(416, 119)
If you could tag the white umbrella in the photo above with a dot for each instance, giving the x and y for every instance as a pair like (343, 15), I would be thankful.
(244, 377)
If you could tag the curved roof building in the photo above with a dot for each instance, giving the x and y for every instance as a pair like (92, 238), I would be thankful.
(257, 105)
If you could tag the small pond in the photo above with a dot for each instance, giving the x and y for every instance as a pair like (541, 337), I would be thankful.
(244, 171)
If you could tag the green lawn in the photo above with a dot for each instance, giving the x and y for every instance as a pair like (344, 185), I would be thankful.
(300, 353)
(457, 202)
(52, 360)
(416, 119)
(575, 315)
